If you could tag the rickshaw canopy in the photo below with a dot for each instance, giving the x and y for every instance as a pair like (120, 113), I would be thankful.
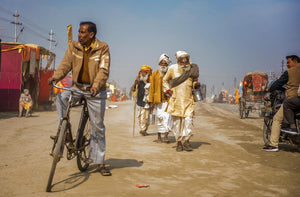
(256, 81)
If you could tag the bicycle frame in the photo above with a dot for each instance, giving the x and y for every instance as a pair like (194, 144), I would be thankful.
(67, 118)
(62, 139)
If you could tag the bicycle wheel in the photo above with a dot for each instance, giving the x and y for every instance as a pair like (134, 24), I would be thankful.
(241, 110)
(267, 130)
(83, 146)
(57, 153)
(247, 113)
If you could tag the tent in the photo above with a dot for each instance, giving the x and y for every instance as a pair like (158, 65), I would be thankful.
(21, 67)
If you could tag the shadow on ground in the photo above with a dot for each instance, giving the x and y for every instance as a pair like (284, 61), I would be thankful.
(76, 179)
(73, 181)
(123, 163)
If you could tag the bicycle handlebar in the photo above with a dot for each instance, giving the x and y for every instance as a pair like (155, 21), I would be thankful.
(72, 90)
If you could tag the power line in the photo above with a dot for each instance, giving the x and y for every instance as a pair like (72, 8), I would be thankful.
(6, 10)
(26, 20)
(5, 36)
(4, 19)
(32, 28)
(35, 33)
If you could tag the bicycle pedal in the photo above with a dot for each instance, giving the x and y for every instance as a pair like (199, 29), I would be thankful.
(88, 161)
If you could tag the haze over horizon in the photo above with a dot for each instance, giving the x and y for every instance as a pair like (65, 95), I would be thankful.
(226, 39)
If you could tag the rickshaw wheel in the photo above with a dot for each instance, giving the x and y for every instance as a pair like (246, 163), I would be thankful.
(262, 114)
(247, 113)
(241, 110)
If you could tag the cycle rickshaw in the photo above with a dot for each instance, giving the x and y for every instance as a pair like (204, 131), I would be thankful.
(254, 90)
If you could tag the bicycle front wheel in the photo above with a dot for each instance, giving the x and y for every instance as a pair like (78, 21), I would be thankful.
(83, 146)
(57, 153)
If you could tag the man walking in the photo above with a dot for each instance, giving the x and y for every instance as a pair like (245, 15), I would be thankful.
(89, 61)
(158, 100)
(141, 86)
(178, 82)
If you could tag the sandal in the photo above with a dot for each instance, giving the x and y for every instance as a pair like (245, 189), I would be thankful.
(179, 147)
(187, 146)
(166, 141)
(104, 171)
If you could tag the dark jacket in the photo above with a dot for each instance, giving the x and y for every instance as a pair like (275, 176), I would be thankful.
(140, 94)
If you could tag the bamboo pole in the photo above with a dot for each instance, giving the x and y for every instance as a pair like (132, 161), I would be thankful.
(134, 110)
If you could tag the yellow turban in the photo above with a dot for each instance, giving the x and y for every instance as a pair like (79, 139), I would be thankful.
(146, 68)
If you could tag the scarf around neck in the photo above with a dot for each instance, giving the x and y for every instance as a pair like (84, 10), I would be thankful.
(192, 72)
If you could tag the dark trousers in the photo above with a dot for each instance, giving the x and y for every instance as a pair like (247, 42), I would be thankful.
(289, 107)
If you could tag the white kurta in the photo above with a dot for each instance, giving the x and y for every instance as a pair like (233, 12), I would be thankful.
(143, 115)
(181, 104)
(182, 128)
(163, 118)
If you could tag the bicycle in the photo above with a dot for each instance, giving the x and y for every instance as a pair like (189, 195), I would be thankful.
(75, 148)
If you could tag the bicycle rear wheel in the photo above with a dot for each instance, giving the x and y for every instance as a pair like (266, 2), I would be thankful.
(241, 109)
(57, 153)
(83, 145)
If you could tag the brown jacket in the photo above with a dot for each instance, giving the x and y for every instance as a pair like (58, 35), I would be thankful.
(293, 82)
(156, 94)
(99, 64)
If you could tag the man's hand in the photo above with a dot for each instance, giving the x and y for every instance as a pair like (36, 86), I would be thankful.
(151, 106)
(169, 93)
(94, 91)
(136, 81)
(51, 79)
(197, 85)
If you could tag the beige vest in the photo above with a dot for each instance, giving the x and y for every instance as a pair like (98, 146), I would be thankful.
(293, 82)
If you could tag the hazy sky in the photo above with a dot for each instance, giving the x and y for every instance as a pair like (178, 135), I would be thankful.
(226, 38)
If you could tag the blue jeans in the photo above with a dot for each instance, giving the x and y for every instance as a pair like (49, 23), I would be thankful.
(96, 109)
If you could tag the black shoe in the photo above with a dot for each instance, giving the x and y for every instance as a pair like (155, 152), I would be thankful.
(270, 148)
(290, 131)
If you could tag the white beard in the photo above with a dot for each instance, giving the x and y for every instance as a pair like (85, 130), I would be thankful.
(163, 69)
(185, 68)
(144, 78)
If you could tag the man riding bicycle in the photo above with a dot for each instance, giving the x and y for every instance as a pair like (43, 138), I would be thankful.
(89, 60)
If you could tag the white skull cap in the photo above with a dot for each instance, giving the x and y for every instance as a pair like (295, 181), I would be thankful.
(179, 54)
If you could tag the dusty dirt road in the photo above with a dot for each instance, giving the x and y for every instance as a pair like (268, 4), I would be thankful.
(227, 159)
